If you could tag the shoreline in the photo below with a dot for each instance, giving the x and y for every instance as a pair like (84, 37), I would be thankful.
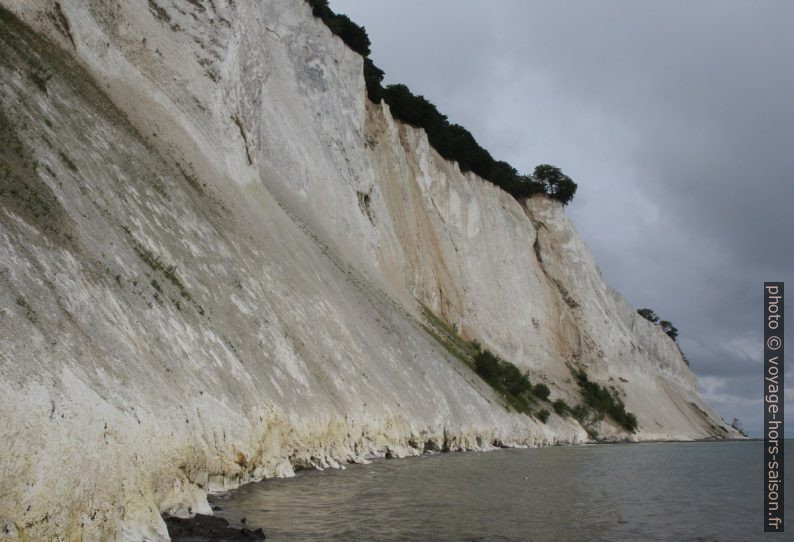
(205, 528)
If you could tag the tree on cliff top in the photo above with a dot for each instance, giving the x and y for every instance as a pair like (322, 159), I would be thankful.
(649, 315)
(557, 185)
(353, 35)
(670, 329)
(666, 325)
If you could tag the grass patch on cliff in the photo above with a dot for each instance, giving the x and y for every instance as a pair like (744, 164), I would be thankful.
(168, 271)
(513, 386)
(561, 407)
(602, 401)
(448, 337)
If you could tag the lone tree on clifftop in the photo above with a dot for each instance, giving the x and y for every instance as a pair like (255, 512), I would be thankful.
(557, 185)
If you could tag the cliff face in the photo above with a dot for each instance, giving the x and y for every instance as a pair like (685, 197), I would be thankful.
(214, 257)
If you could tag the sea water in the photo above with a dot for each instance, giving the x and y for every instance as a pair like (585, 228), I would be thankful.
(705, 491)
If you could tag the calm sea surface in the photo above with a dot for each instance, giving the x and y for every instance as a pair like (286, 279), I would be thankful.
(632, 492)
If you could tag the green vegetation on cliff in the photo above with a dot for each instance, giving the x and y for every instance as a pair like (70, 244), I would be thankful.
(511, 383)
(505, 378)
(603, 401)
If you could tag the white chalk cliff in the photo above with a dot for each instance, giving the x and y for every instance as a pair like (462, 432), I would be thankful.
(214, 258)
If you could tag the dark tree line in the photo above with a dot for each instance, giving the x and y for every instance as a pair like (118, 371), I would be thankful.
(452, 141)
(666, 325)
(353, 35)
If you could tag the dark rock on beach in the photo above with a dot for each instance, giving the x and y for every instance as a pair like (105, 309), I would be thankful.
(203, 528)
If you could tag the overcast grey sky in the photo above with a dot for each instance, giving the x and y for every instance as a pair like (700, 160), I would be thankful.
(676, 118)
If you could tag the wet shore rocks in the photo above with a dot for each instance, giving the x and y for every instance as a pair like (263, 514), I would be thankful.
(204, 528)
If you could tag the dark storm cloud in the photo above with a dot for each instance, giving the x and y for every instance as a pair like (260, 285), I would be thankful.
(677, 120)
